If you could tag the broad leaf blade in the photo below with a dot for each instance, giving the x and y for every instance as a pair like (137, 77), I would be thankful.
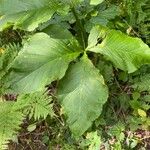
(127, 53)
(96, 2)
(41, 61)
(57, 32)
(82, 93)
(27, 14)
(96, 33)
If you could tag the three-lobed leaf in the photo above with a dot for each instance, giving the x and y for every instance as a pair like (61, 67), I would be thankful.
(82, 93)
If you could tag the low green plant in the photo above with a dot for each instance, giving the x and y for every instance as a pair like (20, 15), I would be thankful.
(66, 41)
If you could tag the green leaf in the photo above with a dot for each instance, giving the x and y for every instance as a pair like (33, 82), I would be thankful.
(31, 127)
(73, 2)
(94, 141)
(110, 13)
(27, 14)
(96, 33)
(10, 120)
(117, 131)
(41, 61)
(82, 93)
(58, 32)
(142, 83)
(102, 16)
(7, 57)
(96, 2)
(142, 113)
(37, 105)
(127, 53)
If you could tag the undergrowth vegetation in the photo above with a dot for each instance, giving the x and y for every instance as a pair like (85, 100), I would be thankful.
(74, 74)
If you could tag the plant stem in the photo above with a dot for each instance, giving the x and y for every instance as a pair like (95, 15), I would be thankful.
(81, 31)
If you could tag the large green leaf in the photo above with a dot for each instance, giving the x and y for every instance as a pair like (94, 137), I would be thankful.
(57, 32)
(96, 2)
(127, 53)
(27, 14)
(82, 93)
(95, 35)
(41, 61)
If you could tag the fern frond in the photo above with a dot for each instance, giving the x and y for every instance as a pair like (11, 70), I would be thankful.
(9, 53)
(10, 121)
(6, 58)
(35, 105)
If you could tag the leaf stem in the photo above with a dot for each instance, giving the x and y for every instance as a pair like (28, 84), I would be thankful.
(81, 30)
